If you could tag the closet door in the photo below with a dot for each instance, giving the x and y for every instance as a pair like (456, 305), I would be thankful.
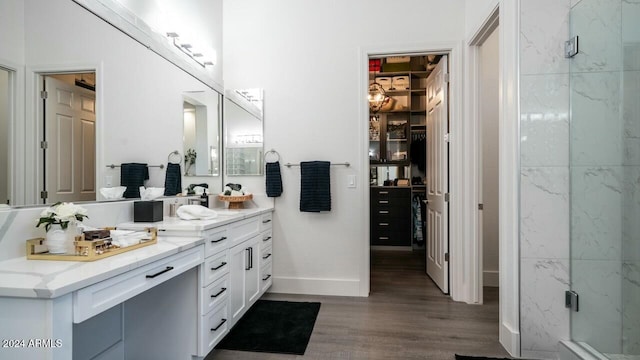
(437, 176)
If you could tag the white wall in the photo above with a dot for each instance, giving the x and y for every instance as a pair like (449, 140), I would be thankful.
(4, 136)
(476, 11)
(305, 54)
(489, 103)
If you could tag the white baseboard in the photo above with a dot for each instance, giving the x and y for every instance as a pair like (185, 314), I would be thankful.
(539, 354)
(491, 278)
(311, 286)
(510, 340)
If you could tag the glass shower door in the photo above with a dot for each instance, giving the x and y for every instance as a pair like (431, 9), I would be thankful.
(605, 176)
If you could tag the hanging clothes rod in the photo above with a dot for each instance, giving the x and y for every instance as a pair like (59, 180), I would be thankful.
(340, 164)
(115, 166)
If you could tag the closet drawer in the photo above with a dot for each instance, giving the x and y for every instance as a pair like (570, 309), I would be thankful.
(392, 225)
(214, 294)
(215, 240)
(96, 298)
(266, 221)
(266, 278)
(391, 238)
(214, 267)
(213, 327)
(244, 230)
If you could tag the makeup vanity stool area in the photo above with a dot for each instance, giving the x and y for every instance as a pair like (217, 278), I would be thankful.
(172, 300)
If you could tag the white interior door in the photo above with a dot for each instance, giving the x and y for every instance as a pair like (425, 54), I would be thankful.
(70, 134)
(438, 176)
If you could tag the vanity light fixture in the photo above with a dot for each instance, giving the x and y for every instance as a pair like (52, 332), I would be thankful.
(187, 49)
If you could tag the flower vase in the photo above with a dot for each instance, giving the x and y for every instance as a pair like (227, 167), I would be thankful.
(59, 240)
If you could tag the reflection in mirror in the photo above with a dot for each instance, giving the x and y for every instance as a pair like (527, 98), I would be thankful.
(243, 132)
(201, 133)
(68, 153)
(4, 136)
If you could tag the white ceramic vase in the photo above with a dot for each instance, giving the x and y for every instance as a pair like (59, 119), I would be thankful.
(59, 240)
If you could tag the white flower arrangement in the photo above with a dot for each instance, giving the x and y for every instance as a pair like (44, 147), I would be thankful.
(62, 214)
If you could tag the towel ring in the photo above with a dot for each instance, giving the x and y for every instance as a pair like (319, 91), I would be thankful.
(272, 151)
(172, 156)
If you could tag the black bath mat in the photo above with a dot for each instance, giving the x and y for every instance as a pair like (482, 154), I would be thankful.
(465, 357)
(274, 326)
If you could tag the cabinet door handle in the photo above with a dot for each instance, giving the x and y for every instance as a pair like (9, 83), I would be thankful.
(266, 278)
(383, 224)
(383, 212)
(383, 192)
(218, 327)
(267, 239)
(219, 292)
(266, 221)
(383, 201)
(266, 257)
(219, 266)
(217, 241)
(251, 257)
(169, 268)
(248, 259)
(383, 238)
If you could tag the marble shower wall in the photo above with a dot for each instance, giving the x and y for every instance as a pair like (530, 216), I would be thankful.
(544, 177)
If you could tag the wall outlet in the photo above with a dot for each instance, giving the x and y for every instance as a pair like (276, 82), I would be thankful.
(108, 181)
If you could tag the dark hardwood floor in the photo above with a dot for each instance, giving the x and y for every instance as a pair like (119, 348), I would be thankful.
(405, 317)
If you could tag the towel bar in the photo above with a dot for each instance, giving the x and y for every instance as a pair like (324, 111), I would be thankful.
(115, 166)
(341, 164)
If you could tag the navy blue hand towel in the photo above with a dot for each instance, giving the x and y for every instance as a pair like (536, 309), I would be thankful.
(315, 190)
(133, 175)
(273, 179)
(173, 180)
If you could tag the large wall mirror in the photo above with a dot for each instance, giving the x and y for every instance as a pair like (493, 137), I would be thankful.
(244, 151)
(138, 109)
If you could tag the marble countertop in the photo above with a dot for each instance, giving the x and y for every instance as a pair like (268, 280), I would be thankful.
(47, 279)
(225, 216)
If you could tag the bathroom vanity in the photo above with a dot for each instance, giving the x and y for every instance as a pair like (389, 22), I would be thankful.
(173, 300)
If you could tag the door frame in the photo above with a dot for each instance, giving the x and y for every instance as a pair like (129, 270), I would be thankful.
(15, 162)
(33, 130)
(508, 14)
(455, 52)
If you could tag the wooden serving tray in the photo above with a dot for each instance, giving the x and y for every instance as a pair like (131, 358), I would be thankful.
(87, 250)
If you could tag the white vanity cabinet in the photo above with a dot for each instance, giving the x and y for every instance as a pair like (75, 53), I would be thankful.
(243, 276)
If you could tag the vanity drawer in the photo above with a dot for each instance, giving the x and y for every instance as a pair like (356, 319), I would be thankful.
(243, 230)
(266, 278)
(214, 294)
(266, 255)
(267, 239)
(213, 327)
(214, 267)
(215, 240)
(266, 220)
(94, 299)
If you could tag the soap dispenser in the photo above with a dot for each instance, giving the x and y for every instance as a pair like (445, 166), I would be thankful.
(204, 198)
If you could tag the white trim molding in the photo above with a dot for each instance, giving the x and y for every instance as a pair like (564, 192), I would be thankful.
(315, 286)
(456, 221)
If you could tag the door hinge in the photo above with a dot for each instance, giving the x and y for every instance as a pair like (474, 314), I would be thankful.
(446, 197)
(447, 137)
(44, 94)
(571, 300)
(571, 47)
(44, 195)
(44, 145)
(446, 77)
(480, 206)
(446, 256)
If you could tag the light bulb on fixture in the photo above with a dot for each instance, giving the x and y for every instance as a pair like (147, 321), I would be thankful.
(377, 97)
(187, 49)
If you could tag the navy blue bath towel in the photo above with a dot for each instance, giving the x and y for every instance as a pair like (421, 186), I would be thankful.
(173, 180)
(133, 175)
(273, 179)
(315, 190)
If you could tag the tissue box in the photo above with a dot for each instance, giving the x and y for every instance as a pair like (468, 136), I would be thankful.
(147, 211)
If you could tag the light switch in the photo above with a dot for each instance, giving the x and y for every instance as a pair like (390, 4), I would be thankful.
(351, 181)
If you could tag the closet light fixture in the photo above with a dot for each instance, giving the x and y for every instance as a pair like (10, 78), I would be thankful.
(377, 97)
(187, 49)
